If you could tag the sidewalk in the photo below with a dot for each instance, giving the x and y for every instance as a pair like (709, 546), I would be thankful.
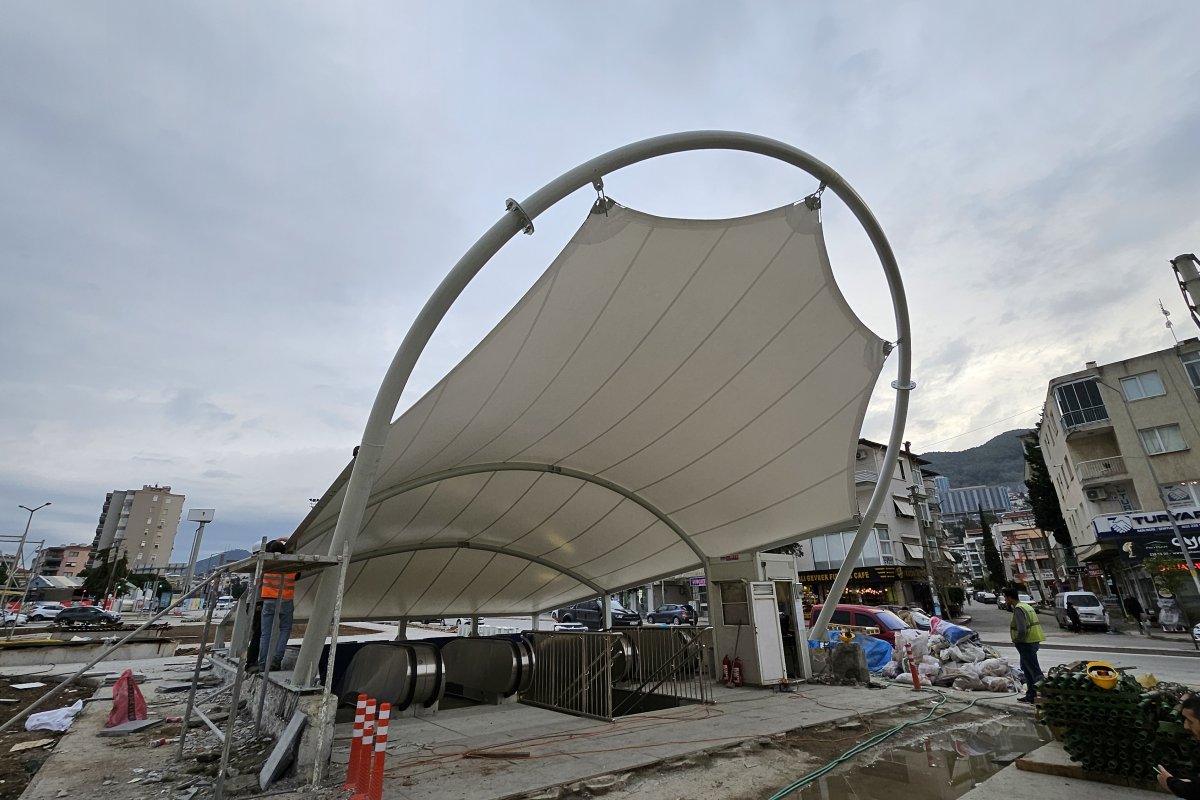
(1012, 782)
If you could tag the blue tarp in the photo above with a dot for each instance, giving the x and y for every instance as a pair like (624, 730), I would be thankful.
(878, 652)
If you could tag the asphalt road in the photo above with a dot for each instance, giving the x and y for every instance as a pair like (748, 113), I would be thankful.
(1168, 658)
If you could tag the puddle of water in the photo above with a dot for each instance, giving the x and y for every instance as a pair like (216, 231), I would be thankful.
(941, 766)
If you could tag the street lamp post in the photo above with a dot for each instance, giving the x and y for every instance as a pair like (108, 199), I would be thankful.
(203, 516)
(20, 559)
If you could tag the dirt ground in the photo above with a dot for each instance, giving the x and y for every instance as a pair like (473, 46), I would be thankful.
(16, 769)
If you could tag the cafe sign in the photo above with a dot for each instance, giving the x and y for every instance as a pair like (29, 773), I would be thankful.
(883, 573)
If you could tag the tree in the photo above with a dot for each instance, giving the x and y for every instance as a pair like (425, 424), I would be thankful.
(1047, 513)
(106, 575)
(991, 556)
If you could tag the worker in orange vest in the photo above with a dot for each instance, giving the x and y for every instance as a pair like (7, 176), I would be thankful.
(278, 592)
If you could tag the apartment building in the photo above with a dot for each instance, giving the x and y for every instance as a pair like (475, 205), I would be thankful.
(65, 560)
(139, 524)
(1122, 445)
(893, 566)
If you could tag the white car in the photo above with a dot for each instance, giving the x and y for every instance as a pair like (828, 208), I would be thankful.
(40, 612)
(11, 617)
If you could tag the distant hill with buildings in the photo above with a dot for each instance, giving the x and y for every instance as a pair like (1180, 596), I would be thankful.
(1000, 461)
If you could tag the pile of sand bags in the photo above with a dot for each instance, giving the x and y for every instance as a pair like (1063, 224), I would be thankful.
(967, 665)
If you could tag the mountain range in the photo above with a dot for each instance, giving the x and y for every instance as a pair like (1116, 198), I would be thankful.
(1000, 461)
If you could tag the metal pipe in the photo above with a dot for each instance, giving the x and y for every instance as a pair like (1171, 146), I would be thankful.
(516, 219)
(235, 695)
(191, 701)
(323, 721)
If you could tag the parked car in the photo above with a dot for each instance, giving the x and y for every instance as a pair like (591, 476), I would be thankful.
(225, 602)
(1091, 610)
(590, 613)
(985, 597)
(864, 617)
(673, 614)
(86, 615)
(41, 612)
(11, 616)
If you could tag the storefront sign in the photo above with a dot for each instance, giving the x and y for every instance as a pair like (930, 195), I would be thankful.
(1143, 522)
(887, 573)
(696, 581)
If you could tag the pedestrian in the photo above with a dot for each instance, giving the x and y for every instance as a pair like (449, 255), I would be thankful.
(278, 593)
(1073, 616)
(1185, 787)
(1133, 608)
(1026, 633)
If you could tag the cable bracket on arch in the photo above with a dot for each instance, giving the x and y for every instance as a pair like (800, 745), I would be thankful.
(515, 207)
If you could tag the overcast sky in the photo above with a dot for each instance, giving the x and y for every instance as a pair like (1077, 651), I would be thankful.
(218, 220)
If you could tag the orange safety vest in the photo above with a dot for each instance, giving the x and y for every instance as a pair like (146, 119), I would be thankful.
(275, 582)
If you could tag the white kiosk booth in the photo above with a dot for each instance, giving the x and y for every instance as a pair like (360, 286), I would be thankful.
(757, 616)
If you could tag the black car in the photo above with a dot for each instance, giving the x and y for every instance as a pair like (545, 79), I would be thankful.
(673, 614)
(86, 615)
(590, 614)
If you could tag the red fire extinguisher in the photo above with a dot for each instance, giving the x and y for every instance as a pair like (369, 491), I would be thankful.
(726, 670)
(737, 671)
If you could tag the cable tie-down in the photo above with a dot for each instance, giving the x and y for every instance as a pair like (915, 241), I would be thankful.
(514, 206)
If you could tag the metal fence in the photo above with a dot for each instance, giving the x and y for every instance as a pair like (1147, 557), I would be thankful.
(608, 674)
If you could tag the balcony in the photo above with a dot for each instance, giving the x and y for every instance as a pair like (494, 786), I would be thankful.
(1100, 469)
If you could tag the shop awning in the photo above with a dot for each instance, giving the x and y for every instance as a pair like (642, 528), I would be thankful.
(914, 551)
(667, 391)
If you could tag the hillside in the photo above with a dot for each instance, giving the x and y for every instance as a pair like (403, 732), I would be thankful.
(1000, 461)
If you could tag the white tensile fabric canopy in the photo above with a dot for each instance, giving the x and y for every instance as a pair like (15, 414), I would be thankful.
(667, 391)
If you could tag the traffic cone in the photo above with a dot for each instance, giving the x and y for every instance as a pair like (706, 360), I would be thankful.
(352, 768)
(375, 783)
(363, 771)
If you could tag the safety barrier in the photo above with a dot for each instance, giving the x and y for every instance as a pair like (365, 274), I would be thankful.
(671, 665)
(574, 671)
(608, 674)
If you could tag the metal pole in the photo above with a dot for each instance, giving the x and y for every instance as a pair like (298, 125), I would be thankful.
(191, 701)
(50, 695)
(191, 569)
(519, 217)
(20, 559)
(235, 695)
(323, 715)
(933, 592)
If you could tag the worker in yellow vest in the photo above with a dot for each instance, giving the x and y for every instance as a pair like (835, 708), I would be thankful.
(1026, 633)
(278, 593)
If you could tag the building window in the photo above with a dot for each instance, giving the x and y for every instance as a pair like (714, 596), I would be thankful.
(1080, 402)
(1147, 384)
(1163, 439)
(903, 506)
(1191, 365)
(154, 499)
(735, 606)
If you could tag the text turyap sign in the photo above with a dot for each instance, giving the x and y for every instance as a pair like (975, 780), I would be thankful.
(1144, 522)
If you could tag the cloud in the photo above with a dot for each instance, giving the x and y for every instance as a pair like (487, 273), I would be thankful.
(218, 222)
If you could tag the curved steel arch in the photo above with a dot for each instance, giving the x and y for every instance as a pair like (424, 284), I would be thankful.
(533, 466)
(489, 548)
(519, 217)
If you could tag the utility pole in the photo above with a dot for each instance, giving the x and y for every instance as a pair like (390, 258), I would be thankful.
(20, 559)
(916, 497)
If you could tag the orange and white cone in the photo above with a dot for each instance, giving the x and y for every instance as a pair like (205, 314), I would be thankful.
(353, 767)
(375, 784)
(363, 772)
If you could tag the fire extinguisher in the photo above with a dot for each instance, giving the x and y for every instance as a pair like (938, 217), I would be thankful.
(737, 671)
(726, 670)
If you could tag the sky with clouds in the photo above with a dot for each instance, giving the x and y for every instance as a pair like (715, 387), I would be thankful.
(218, 220)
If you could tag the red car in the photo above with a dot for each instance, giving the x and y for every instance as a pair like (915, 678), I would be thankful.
(864, 616)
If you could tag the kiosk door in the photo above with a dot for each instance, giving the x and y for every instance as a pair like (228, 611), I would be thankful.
(768, 641)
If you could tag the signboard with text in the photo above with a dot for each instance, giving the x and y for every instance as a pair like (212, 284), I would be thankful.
(885, 573)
